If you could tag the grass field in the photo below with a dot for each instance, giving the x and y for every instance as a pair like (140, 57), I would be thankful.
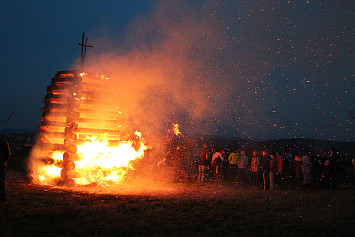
(173, 209)
(185, 209)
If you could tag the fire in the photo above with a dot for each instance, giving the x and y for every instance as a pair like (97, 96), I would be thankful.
(98, 163)
(81, 139)
(176, 129)
(47, 173)
(101, 164)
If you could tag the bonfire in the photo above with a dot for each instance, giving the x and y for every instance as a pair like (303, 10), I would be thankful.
(81, 138)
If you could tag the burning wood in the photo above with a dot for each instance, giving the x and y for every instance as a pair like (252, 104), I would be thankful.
(79, 138)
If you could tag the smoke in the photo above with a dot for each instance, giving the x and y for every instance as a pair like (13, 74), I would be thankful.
(228, 67)
(170, 74)
(222, 67)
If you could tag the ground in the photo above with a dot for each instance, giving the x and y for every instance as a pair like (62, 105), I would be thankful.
(175, 209)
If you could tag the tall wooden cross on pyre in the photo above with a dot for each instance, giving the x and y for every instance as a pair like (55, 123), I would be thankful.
(83, 51)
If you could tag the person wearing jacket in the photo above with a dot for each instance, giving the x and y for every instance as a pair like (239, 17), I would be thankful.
(202, 163)
(306, 168)
(243, 165)
(265, 168)
(255, 168)
(217, 159)
(5, 154)
(233, 159)
(273, 162)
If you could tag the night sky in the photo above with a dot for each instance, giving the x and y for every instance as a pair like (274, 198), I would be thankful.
(258, 69)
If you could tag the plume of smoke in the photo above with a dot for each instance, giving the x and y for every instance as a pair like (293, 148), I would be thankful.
(215, 66)
(209, 66)
(170, 74)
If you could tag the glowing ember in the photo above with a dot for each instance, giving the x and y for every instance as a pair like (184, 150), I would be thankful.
(176, 129)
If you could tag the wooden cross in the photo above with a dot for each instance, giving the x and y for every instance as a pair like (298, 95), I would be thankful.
(83, 51)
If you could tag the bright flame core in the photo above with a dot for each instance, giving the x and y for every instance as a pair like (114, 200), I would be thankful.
(98, 163)
(101, 164)
(80, 141)
(176, 129)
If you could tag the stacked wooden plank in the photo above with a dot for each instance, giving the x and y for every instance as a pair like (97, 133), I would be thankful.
(76, 106)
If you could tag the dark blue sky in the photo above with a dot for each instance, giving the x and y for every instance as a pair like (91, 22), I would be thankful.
(281, 68)
(39, 38)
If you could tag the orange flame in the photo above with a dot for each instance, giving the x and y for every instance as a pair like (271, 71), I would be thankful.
(80, 142)
(176, 129)
(97, 163)
(101, 164)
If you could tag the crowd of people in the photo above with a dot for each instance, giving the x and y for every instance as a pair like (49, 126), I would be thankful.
(267, 169)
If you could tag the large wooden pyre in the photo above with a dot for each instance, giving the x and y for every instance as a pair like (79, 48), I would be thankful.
(76, 106)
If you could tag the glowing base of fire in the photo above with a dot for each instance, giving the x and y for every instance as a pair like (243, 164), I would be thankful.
(97, 163)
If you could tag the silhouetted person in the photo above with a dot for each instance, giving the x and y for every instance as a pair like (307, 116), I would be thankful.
(217, 159)
(326, 174)
(272, 171)
(5, 154)
(202, 163)
(255, 169)
(306, 168)
(177, 162)
(265, 168)
(334, 163)
(233, 159)
(243, 165)
(279, 168)
(298, 170)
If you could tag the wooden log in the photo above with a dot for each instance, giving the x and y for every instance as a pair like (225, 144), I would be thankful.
(70, 157)
(67, 79)
(53, 123)
(54, 101)
(51, 129)
(64, 87)
(87, 127)
(50, 146)
(53, 118)
(96, 131)
(56, 106)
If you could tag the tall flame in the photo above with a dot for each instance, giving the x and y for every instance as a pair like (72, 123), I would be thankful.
(176, 129)
(81, 137)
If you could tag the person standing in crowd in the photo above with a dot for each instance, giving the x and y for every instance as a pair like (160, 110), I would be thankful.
(298, 170)
(272, 170)
(202, 163)
(334, 164)
(255, 169)
(306, 168)
(265, 168)
(177, 162)
(279, 169)
(217, 159)
(233, 159)
(224, 165)
(326, 175)
(5, 154)
(243, 164)
(288, 164)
